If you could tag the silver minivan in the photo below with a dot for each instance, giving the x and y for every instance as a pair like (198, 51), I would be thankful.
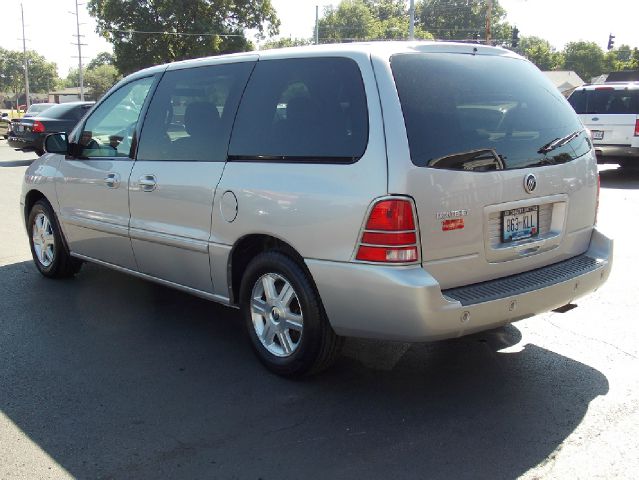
(404, 191)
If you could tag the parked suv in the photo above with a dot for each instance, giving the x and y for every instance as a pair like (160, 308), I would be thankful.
(611, 112)
(406, 191)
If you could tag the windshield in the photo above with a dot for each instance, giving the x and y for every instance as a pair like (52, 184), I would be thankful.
(481, 112)
(605, 100)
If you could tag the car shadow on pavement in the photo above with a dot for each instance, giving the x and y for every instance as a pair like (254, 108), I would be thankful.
(17, 163)
(114, 377)
(619, 178)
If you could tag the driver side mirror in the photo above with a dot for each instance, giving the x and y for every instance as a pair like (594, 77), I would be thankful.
(57, 143)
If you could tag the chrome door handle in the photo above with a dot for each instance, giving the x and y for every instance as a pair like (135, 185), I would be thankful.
(112, 180)
(147, 183)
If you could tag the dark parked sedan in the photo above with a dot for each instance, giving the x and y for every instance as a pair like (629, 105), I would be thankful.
(29, 133)
(5, 121)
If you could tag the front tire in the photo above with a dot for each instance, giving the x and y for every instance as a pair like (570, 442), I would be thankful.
(284, 317)
(48, 249)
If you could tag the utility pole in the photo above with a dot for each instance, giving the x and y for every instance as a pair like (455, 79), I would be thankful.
(316, 24)
(26, 62)
(79, 43)
(489, 15)
(411, 25)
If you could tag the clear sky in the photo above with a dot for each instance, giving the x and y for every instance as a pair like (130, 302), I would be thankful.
(49, 25)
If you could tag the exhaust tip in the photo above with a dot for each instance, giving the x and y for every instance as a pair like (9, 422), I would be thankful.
(565, 308)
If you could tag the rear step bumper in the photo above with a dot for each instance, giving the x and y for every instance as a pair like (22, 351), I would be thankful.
(614, 152)
(407, 304)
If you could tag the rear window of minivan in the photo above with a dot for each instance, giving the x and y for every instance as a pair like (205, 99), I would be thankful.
(605, 100)
(483, 112)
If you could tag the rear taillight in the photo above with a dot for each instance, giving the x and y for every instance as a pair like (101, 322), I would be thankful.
(637, 128)
(37, 127)
(390, 235)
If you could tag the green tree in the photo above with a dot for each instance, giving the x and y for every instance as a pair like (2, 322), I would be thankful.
(367, 20)
(122, 22)
(100, 79)
(462, 19)
(623, 58)
(585, 58)
(102, 58)
(42, 74)
(541, 53)
(286, 42)
(72, 79)
(351, 20)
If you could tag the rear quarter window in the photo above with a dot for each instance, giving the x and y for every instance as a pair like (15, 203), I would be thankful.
(302, 109)
(605, 101)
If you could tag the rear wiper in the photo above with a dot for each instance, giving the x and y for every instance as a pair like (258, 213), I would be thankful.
(482, 160)
(559, 142)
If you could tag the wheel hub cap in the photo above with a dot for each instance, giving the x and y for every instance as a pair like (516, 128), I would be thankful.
(43, 240)
(276, 315)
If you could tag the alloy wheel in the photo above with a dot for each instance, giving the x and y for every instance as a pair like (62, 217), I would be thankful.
(276, 314)
(43, 240)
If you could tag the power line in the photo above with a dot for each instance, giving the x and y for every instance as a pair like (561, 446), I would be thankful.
(189, 34)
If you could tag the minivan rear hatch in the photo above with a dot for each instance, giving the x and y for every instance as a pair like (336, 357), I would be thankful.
(502, 172)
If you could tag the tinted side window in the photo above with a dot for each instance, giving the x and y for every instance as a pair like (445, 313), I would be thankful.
(191, 113)
(109, 129)
(578, 101)
(302, 109)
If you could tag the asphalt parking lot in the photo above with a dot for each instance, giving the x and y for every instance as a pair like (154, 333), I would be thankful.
(107, 376)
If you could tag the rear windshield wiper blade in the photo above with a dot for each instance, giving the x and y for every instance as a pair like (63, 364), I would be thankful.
(559, 142)
(481, 160)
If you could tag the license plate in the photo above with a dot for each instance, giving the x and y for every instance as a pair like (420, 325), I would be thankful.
(20, 128)
(519, 223)
(597, 134)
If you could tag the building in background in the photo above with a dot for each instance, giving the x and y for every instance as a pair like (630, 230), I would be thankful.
(565, 80)
(71, 94)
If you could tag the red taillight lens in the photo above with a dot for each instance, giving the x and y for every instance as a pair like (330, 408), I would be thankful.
(389, 235)
(376, 238)
(37, 127)
(391, 215)
(637, 128)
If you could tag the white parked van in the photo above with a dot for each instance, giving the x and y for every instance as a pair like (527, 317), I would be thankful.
(407, 191)
(611, 112)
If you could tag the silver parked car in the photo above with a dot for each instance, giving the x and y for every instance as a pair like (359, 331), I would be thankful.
(407, 191)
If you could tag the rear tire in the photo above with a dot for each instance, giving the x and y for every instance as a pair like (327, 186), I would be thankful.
(284, 317)
(48, 248)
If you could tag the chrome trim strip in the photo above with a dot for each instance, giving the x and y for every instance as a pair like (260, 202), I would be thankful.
(362, 230)
(198, 293)
(185, 243)
(97, 225)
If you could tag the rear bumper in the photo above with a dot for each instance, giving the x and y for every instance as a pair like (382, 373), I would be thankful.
(613, 153)
(26, 143)
(407, 304)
